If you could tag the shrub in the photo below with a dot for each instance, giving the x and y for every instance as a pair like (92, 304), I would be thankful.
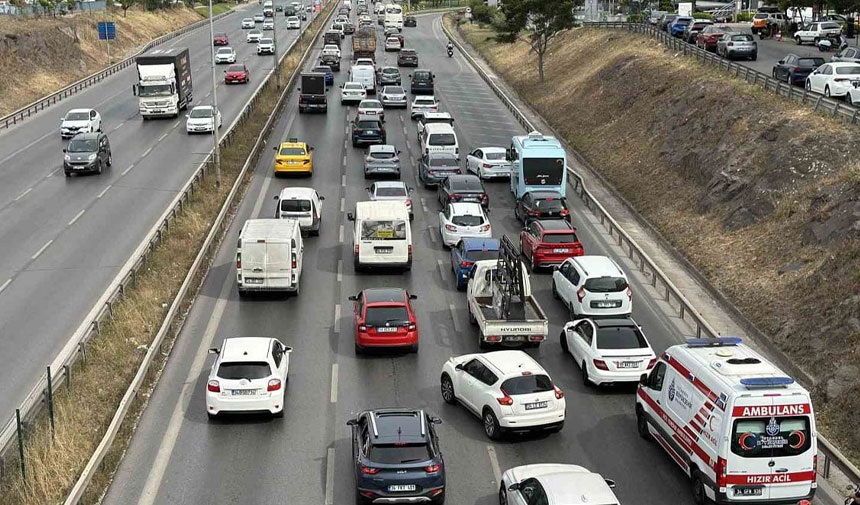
(702, 15)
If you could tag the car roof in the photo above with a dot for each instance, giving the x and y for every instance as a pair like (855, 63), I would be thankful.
(296, 193)
(376, 102)
(837, 64)
(86, 136)
(382, 148)
(390, 184)
(290, 143)
(490, 149)
(245, 348)
(392, 87)
(399, 425)
(575, 488)
(383, 295)
(480, 244)
(437, 115)
(441, 154)
(598, 266)
(426, 98)
(368, 117)
(512, 362)
(543, 195)
(79, 110)
(354, 84)
(462, 177)
(208, 107)
(467, 208)
(438, 128)
(552, 225)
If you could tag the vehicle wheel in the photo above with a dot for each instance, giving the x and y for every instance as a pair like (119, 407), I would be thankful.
(278, 415)
(563, 339)
(408, 266)
(572, 312)
(447, 389)
(472, 317)
(642, 425)
(774, 75)
(359, 500)
(798, 41)
(101, 163)
(68, 174)
(413, 348)
(698, 488)
(827, 91)
(754, 56)
(503, 495)
(211, 416)
(110, 159)
(491, 425)
(296, 292)
(557, 428)
(585, 380)
(356, 265)
(358, 349)
(808, 86)
(482, 344)
(242, 293)
(532, 267)
(815, 41)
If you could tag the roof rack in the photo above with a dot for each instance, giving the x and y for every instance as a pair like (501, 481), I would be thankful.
(713, 342)
(764, 382)
(373, 424)
(423, 429)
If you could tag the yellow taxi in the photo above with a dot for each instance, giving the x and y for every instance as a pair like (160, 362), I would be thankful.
(294, 157)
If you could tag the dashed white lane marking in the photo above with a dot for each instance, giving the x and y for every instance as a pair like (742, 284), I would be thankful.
(333, 396)
(52, 173)
(146, 153)
(127, 170)
(5, 284)
(42, 249)
(117, 127)
(339, 270)
(343, 180)
(344, 160)
(176, 124)
(77, 216)
(163, 136)
(441, 268)
(337, 318)
(22, 195)
(329, 477)
(424, 204)
(432, 235)
(340, 234)
(345, 144)
(104, 191)
(454, 317)
(494, 462)
(408, 145)
(342, 204)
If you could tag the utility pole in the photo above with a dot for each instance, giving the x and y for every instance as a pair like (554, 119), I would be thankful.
(214, 101)
(275, 41)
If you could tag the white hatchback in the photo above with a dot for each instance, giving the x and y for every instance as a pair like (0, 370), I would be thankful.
(225, 55)
(331, 49)
(592, 286)
(202, 119)
(508, 390)
(460, 220)
(254, 36)
(608, 350)
(422, 104)
(80, 121)
(371, 108)
(249, 375)
(555, 484)
(293, 23)
(247, 23)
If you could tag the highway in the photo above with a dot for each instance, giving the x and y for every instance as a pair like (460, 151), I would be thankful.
(179, 457)
(62, 240)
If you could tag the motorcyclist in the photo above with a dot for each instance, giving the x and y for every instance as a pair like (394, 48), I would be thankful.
(854, 499)
(450, 46)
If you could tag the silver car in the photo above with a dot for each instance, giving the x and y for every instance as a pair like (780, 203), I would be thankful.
(396, 191)
(382, 159)
(849, 54)
(737, 45)
(393, 96)
(247, 23)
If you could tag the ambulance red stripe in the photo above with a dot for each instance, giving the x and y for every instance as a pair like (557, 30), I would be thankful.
(770, 478)
(693, 380)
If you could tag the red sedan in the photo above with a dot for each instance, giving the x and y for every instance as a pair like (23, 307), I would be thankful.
(236, 73)
(384, 318)
(549, 242)
(708, 37)
(220, 39)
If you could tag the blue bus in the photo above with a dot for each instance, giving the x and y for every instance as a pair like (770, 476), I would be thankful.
(538, 164)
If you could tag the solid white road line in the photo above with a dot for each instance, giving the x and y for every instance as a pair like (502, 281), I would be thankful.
(333, 396)
(104, 191)
(8, 281)
(494, 462)
(329, 476)
(337, 318)
(78, 215)
(42, 249)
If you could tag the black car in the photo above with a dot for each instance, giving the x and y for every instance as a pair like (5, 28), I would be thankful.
(541, 205)
(330, 60)
(388, 76)
(794, 69)
(279, 8)
(422, 81)
(407, 57)
(410, 21)
(348, 28)
(435, 167)
(332, 37)
(87, 153)
(462, 188)
(397, 457)
(367, 130)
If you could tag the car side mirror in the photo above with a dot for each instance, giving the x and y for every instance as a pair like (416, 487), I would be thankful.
(64, 150)
(276, 197)
(410, 75)
(458, 366)
(353, 298)
(781, 62)
(350, 216)
(311, 148)
(351, 422)
(225, 71)
(413, 297)
(214, 350)
(610, 483)
(398, 151)
(554, 268)
(514, 486)
(435, 420)
(643, 379)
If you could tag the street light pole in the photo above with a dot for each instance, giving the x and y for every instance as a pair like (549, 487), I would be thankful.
(275, 53)
(215, 138)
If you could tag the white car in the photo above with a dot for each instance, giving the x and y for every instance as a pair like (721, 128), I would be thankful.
(834, 79)
(254, 36)
(259, 18)
(555, 484)
(392, 44)
(269, 24)
(592, 286)
(463, 219)
(331, 49)
(200, 119)
(393, 96)
(247, 23)
(608, 350)
(422, 104)
(352, 92)
(225, 55)
(370, 108)
(392, 190)
(293, 23)
(265, 46)
(508, 390)
(249, 374)
(815, 31)
(365, 61)
(80, 121)
(488, 162)
(337, 27)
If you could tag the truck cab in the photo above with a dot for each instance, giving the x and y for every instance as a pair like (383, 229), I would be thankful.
(164, 82)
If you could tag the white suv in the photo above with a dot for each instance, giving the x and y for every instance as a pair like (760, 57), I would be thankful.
(80, 121)
(592, 286)
(249, 375)
(508, 390)
(608, 350)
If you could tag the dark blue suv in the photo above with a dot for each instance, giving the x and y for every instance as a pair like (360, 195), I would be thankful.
(467, 252)
(397, 457)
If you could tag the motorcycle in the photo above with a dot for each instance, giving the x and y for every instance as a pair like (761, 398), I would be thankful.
(854, 499)
(832, 42)
(450, 52)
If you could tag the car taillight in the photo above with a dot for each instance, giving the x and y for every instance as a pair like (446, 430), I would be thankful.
(564, 212)
(238, 260)
(505, 400)
(453, 197)
(465, 264)
(796, 69)
(493, 338)
(730, 44)
(458, 172)
(356, 250)
(652, 363)
(435, 467)
(485, 198)
(409, 203)
(535, 338)
(294, 262)
(367, 470)
(450, 227)
(580, 294)
(721, 472)
(534, 212)
(841, 79)
(412, 327)
(274, 385)
(599, 363)
(629, 294)
(485, 227)
(487, 165)
(213, 386)
(410, 251)
(814, 468)
(559, 394)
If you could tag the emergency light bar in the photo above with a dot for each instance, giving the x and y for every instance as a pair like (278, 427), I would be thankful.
(752, 382)
(713, 342)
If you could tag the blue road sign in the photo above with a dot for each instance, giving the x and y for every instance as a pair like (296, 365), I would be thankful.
(107, 30)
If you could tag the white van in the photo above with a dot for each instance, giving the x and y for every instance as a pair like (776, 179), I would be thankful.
(737, 425)
(365, 75)
(302, 204)
(269, 256)
(439, 137)
(382, 235)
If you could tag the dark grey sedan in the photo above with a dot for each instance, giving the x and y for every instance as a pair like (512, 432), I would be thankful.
(435, 167)
(382, 160)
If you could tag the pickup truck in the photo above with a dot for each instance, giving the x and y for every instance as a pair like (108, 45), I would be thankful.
(527, 326)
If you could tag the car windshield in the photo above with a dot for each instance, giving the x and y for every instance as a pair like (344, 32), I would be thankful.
(392, 315)
(244, 370)
(830, 26)
(442, 139)
(82, 146)
(382, 155)
(391, 191)
(760, 15)
(265, 41)
(482, 255)
(235, 68)
(220, 35)
(770, 437)
(225, 50)
(383, 230)
(550, 204)
(810, 62)
(467, 220)
(606, 284)
(398, 454)
(421, 76)
(78, 116)
(255, 32)
(847, 70)
(202, 112)
(295, 205)
(407, 52)
(494, 156)
(393, 90)
(425, 101)
(467, 184)
(390, 71)
(443, 162)
(527, 384)
(354, 87)
(560, 238)
(322, 70)
(367, 125)
(292, 151)
(742, 38)
(369, 104)
(620, 337)
(154, 90)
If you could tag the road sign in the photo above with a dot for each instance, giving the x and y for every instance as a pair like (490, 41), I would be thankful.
(107, 30)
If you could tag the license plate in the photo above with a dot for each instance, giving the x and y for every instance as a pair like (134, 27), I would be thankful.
(536, 405)
(628, 364)
(560, 250)
(386, 329)
(157, 111)
(747, 491)
(606, 304)
(244, 392)
(401, 487)
(475, 200)
(253, 280)
(383, 250)
(516, 338)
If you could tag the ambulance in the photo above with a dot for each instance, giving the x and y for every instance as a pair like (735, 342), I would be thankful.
(742, 430)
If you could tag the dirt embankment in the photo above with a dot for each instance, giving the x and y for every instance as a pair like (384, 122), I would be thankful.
(39, 56)
(762, 195)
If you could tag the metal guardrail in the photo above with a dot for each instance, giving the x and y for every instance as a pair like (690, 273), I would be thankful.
(76, 348)
(832, 456)
(836, 108)
(46, 101)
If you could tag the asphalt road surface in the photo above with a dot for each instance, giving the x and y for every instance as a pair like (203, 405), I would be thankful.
(62, 240)
(179, 457)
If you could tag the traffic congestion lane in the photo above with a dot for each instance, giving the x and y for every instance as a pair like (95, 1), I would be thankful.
(86, 227)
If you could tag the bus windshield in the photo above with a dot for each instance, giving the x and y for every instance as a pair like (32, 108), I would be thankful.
(543, 171)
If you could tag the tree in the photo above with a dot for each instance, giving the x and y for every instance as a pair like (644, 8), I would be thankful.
(48, 6)
(126, 5)
(70, 7)
(536, 22)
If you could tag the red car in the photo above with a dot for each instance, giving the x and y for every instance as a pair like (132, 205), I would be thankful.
(384, 318)
(708, 37)
(549, 242)
(220, 39)
(236, 73)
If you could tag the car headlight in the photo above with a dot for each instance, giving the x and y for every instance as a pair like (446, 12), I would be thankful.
(92, 157)
(68, 158)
